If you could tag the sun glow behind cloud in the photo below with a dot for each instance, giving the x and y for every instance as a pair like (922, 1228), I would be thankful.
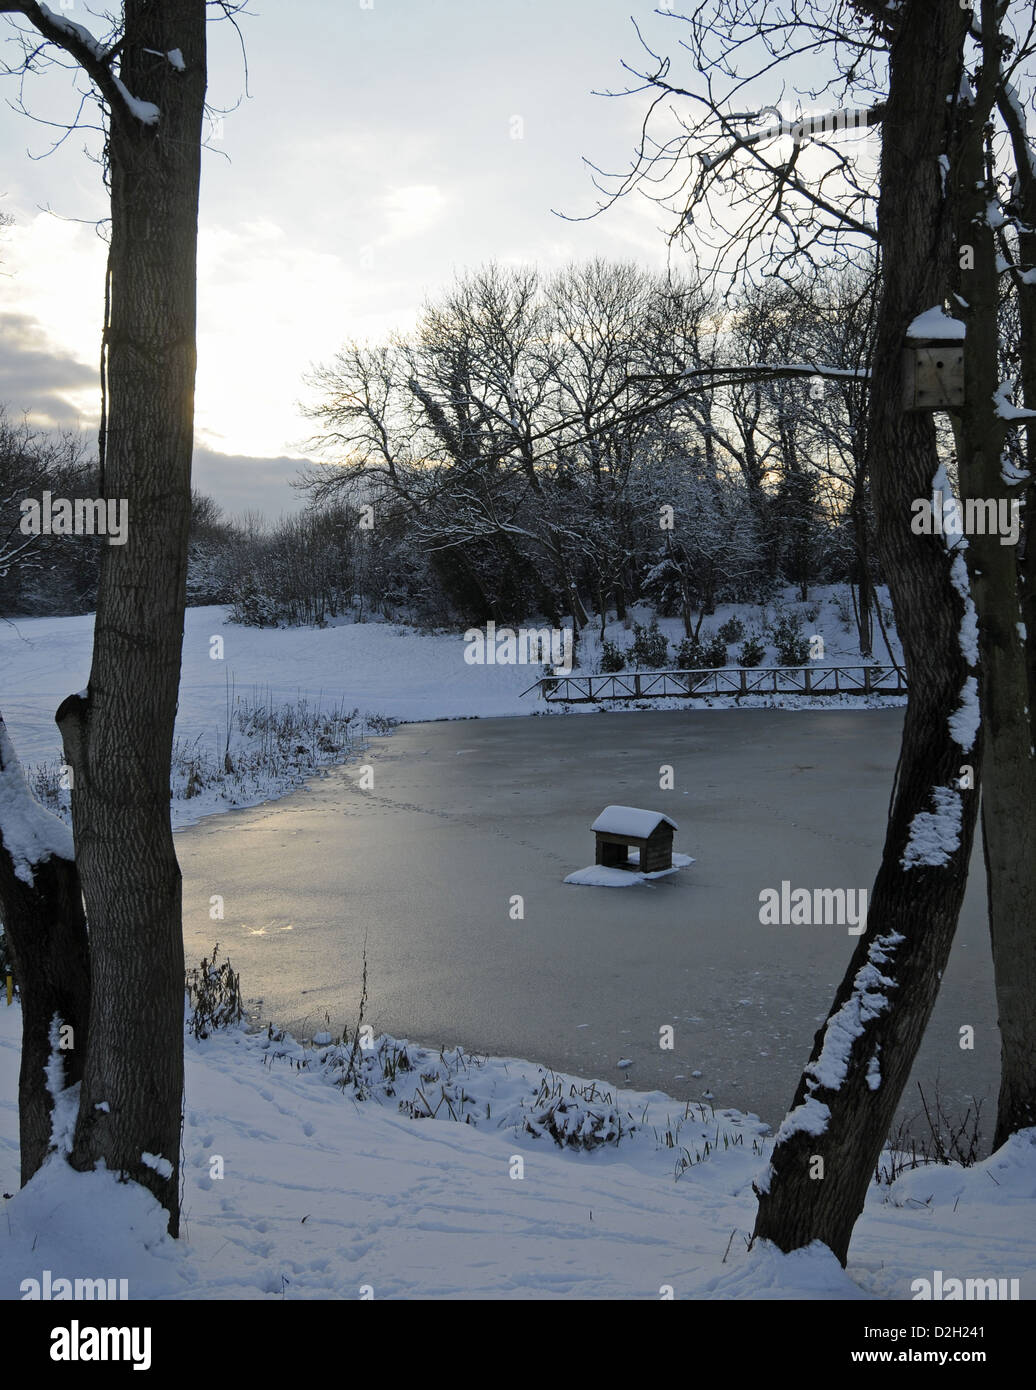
(358, 176)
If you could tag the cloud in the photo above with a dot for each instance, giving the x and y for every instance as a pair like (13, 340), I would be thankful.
(53, 387)
(411, 211)
(241, 483)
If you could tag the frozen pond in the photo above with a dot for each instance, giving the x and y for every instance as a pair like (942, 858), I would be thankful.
(464, 815)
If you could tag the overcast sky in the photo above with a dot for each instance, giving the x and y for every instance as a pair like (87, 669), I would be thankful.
(374, 157)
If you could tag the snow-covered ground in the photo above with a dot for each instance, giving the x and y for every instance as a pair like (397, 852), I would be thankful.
(326, 1196)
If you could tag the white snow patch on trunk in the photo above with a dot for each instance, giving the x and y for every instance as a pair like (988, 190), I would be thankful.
(935, 835)
(965, 720)
(31, 834)
(161, 1165)
(868, 999)
(64, 1100)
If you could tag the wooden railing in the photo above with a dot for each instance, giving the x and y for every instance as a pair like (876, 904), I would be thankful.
(737, 681)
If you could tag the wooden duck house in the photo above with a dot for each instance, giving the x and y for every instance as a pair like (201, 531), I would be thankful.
(618, 828)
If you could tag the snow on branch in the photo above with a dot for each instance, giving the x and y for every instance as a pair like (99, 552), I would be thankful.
(174, 57)
(145, 111)
(1005, 407)
(732, 374)
(95, 60)
(801, 128)
(69, 26)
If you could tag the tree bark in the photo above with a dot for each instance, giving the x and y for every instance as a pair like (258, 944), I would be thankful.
(861, 1058)
(1009, 779)
(118, 738)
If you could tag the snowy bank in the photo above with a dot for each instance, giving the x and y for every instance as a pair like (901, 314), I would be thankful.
(322, 1195)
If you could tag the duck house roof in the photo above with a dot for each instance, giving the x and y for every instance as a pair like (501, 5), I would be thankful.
(630, 820)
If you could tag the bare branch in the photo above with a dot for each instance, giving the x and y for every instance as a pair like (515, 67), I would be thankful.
(77, 41)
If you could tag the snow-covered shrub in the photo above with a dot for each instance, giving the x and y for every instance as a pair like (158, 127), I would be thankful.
(732, 630)
(613, 658)
(213, 992)
(845, 613)
(650, 648)
(370, 1070)
(47, 784)
(267, 745)
(704, 653)
(690, 655)
(584, 1119)
(951, 1140)
(792, 646)
(253, 607)
(379, 723)
(208, 574)
(812, 613)
(714, 650)
(751, 653)
(426, 1085)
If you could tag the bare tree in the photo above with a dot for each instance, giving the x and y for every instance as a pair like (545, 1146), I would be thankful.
(754, 204)
(994, 194)
(148, 75)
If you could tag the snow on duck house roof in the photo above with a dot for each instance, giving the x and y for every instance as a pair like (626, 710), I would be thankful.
(629, 820)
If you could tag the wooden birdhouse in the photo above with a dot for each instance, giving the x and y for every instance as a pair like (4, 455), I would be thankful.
(933, 363)
(650, 833)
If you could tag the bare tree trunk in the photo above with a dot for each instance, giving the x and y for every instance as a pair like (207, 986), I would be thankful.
(861, 1058)
(864, 625)
(1016, 1107)
(1009, 782)
(685, 606)
(42, 911)
(119, 737)
(1025, 288)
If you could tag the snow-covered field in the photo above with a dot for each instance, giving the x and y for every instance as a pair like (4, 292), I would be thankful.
(326, 1196)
